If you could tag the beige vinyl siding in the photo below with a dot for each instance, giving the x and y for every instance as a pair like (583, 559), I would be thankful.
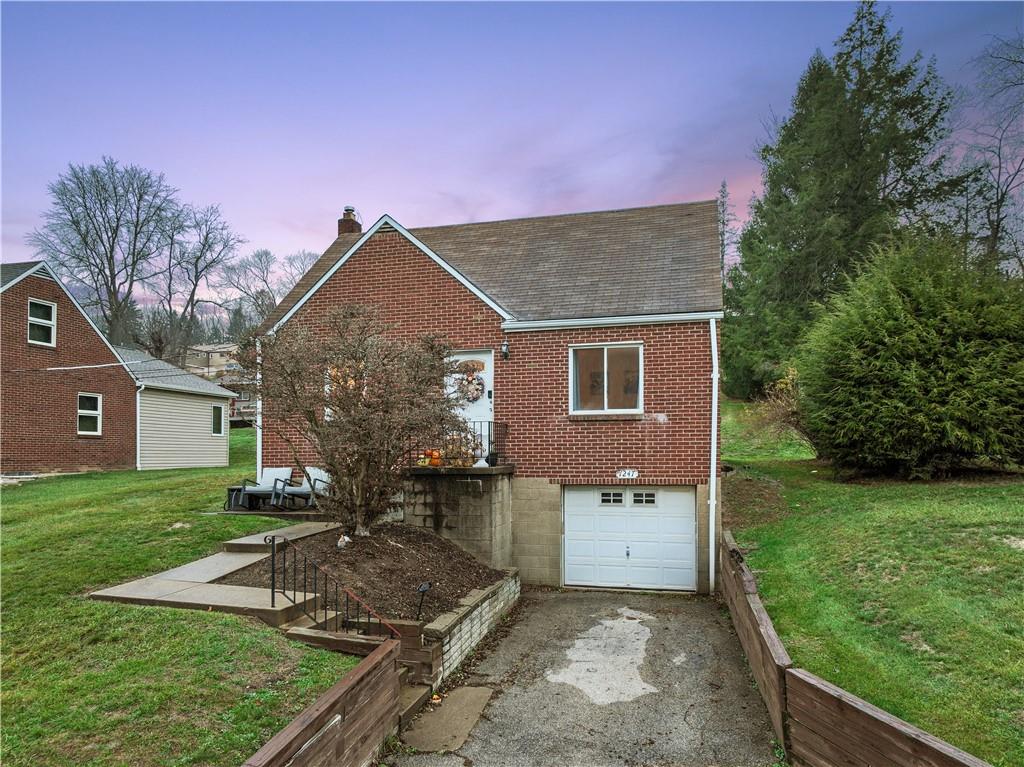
(175, 430)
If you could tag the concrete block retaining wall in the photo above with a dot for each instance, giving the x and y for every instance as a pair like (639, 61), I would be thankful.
(460, 631)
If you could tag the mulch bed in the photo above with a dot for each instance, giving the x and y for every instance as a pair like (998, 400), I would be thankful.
(385, 568)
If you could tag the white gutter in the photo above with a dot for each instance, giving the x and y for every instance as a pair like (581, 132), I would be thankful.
(138, 425)
(514, 326)
(259, 413)
(713, 476)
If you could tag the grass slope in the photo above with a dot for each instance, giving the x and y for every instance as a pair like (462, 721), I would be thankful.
(908, 594)
(97, 683)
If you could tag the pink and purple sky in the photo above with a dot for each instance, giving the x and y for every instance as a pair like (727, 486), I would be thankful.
(434, 113)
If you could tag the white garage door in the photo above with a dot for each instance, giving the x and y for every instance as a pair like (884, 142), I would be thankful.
(633, 537)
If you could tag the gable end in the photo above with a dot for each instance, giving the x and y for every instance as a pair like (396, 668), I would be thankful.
(386, 224)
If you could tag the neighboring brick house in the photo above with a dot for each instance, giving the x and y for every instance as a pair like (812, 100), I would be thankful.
(69, 401)
(596, 340)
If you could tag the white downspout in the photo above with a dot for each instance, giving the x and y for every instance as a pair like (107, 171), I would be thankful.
(259, 413)
(713, 475)
(138, 425)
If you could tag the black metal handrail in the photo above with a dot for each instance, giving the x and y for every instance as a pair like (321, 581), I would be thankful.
(472, 444)
(335, 607)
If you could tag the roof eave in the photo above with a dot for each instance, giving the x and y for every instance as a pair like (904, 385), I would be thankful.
(223, 393)
(522, 326)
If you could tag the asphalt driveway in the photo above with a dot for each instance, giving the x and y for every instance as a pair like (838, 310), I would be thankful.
(612, 678)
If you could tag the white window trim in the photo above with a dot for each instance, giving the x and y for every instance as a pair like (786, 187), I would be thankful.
(51, 324)
(632, 499)
(638, 410)
(222, 431)
(98, 412)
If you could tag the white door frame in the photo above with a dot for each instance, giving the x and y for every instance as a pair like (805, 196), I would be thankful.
(488, 379)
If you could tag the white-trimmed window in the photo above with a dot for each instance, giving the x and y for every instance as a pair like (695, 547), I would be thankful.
(217, 426)
(42, 322)
(606, 378)
(90, 414)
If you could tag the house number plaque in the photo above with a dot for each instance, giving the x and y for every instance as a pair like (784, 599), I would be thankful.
(627, 474)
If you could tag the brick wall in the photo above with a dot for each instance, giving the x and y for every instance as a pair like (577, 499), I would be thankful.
(39, 410)
(669, 444)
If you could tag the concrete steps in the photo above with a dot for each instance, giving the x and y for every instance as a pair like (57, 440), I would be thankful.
(189, 595)
(289, 516)
(213, 567)
(255, 542)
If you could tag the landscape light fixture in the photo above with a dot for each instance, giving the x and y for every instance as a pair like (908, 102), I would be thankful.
(423, 588)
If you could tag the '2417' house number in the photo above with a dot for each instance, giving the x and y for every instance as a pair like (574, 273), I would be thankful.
(627, 474)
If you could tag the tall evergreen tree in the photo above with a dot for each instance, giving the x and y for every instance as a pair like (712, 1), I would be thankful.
(859, 156)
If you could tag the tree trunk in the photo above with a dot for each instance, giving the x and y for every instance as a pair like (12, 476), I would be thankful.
(362, 529)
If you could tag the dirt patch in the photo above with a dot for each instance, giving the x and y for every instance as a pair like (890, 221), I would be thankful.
(748, 500)
(384, 569)
(913, 638)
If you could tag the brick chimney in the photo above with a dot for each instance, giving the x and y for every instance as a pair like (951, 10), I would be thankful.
(348, 223)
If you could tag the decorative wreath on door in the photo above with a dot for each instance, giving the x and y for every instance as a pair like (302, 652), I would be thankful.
(472, 387)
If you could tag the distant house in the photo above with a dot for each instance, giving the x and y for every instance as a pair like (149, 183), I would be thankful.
(243, 406)
(211, 360)
(71, 401)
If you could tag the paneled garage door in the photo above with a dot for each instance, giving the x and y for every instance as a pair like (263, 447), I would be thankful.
(631, 537)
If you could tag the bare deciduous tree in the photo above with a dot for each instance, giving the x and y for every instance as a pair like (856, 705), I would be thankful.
(250, 282)
(293, 267)
(359, 399)
(255, 284)
(199, 243)
(996, 146)
(105, 225)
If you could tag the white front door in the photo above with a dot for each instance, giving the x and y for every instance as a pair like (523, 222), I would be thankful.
(476, 380)
(630, 537)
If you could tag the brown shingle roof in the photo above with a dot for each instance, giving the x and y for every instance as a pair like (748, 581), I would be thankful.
(655, 260)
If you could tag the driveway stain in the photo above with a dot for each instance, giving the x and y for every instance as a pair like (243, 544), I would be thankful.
(598, 679)
(605, 660)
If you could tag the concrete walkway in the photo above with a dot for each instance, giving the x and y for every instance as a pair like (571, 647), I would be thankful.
(191, 586)
(609, 679)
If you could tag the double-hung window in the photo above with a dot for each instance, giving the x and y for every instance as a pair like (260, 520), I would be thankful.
(90, 414)
(217, 429)
(606, 378)
(42, 322)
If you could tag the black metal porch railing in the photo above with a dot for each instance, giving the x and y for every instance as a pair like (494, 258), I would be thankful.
(477, 443)
(323, 598)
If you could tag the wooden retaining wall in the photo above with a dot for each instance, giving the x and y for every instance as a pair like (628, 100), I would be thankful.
(347, 724)
(819, 724)
(767, 657)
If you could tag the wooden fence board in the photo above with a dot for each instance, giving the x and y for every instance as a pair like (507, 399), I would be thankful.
(346, 724)
(871, 737)
(820, 724)
(765, 652)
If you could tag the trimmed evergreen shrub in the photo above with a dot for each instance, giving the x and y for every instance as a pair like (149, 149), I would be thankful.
(919, 367)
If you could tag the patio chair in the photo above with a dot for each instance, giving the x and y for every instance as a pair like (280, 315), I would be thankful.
(260, 490)
(315, 483)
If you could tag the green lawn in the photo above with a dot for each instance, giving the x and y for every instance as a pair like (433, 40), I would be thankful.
(909, 594)
(97, 683)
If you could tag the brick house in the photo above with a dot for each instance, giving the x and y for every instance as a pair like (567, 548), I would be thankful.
(594, 339)
(71, 401)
